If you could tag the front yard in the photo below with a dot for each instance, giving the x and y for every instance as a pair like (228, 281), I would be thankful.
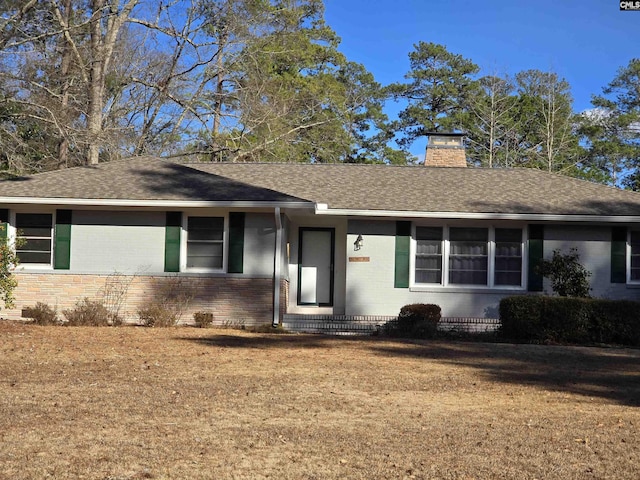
(134, 403)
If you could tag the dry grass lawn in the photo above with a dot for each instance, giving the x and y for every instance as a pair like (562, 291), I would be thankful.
(185, 403)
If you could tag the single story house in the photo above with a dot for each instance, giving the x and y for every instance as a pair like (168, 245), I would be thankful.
(257, 242)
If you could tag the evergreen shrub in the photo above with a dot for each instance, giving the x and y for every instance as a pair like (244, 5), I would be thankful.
(417, 320)
(569, 320)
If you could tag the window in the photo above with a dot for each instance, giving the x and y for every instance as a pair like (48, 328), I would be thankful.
(468, 256)
(508, 266)
(471, 256)
(635, 256)
(205, 243)
(429, 255)
(35, 231)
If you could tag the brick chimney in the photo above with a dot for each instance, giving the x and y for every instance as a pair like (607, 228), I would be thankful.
(445, 150)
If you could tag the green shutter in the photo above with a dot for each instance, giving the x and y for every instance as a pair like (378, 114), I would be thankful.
(62, 240)
(619, 255)
(536, 252)
(403, 242)
(236, 242)
(172, 242)
(4, 224)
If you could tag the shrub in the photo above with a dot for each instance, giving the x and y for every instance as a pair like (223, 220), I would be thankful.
(566, 319)
(171, 298)
(8, 261)
(90, 313)
(267, 328)
(568, 277)
(42, 314)
(203, 319)
(545, 319)
(157, 315)
(520, 318)
(615, 321)
(418, 320)
(114, 293)
(573, 320)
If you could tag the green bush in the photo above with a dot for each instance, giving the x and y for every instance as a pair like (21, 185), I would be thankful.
(568, 277)
(570, 320)
(603, 320)
(418, 320)
(203, 319)
(521, 318)
(566, 320)
(8, 262)
(41, 314)
(90, 313)
(615, 321)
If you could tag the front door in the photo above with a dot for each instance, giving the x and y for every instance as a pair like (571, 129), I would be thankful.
(315, 266)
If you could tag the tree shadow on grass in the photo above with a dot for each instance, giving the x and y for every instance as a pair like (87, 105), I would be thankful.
(271, 341)
(609, 373)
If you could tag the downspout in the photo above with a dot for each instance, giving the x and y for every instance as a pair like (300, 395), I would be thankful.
(277, 269)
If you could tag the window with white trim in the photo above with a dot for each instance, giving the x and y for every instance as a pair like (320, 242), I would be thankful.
(508, 256)
(35, 231)
(428, 255)
(468, 256)
(205, 243)
(473, 256)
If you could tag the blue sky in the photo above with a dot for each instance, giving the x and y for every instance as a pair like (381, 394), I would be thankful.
(584, 41)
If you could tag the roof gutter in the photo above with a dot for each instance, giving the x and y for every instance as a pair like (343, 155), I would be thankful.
(318, 208)
(109, 202)
(323, 209)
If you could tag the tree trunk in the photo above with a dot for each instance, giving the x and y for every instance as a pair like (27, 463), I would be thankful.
(63, 145)
(96, 84)
(106, 20)
(217, 108)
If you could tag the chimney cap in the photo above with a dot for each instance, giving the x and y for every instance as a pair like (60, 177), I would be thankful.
(446, 140)
(445, 134)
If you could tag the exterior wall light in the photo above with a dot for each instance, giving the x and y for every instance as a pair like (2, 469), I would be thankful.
(357, 245)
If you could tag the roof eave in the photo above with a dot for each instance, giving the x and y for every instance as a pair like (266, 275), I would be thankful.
(114, 202)
(322, 209)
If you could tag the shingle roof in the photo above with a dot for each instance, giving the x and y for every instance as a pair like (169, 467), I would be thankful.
(138, 179)
(421, 189)
(341, 186)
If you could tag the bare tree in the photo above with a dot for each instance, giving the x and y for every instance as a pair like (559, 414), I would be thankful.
(494, 122)
(57, 49)
(107, 18)
(548, 120)
(227, 79)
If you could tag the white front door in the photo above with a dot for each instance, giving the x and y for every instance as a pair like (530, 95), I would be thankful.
(315, 273)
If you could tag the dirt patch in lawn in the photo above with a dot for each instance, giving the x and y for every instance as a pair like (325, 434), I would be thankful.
(133, 403)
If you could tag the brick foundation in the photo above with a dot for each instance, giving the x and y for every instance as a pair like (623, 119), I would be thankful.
(232, 300)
